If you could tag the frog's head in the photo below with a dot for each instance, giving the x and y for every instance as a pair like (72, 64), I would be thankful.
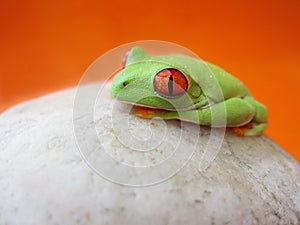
(157, 82)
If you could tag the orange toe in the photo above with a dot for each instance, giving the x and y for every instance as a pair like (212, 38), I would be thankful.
(240, 131)
(147, 113)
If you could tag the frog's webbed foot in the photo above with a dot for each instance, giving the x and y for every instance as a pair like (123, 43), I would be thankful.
(148, 113)
(250, 129)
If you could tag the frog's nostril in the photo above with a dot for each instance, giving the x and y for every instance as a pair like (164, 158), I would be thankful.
(125, 84)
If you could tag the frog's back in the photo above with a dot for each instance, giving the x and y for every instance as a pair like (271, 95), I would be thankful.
(198, 70)
(230, 85)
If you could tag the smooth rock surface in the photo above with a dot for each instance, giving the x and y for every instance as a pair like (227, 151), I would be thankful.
(45, 179)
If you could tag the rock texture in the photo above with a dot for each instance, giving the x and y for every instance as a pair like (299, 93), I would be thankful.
(95, 169)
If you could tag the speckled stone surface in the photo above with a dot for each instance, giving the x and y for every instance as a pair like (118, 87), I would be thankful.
(56, 170)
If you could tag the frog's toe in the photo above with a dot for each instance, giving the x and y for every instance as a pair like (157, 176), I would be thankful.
(250, 129)
(148, 113)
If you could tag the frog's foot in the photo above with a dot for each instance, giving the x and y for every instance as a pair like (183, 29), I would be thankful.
(250, 129)
(148, 113)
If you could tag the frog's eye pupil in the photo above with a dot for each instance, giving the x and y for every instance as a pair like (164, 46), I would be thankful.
(170, 83)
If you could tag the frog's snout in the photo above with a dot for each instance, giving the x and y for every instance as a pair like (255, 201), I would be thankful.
(118, 86)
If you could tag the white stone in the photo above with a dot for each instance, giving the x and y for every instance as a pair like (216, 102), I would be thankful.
(45, 180)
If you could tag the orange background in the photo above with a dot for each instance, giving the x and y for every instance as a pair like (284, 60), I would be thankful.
(47, 45)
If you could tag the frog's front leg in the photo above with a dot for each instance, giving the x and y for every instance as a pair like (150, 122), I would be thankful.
(238, 112)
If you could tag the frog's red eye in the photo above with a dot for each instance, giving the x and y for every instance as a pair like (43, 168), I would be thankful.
(170, 83)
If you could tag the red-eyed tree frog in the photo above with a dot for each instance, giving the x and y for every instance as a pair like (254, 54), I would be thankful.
(177, 86)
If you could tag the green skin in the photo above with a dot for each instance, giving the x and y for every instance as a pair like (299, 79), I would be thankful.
(210, 90)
